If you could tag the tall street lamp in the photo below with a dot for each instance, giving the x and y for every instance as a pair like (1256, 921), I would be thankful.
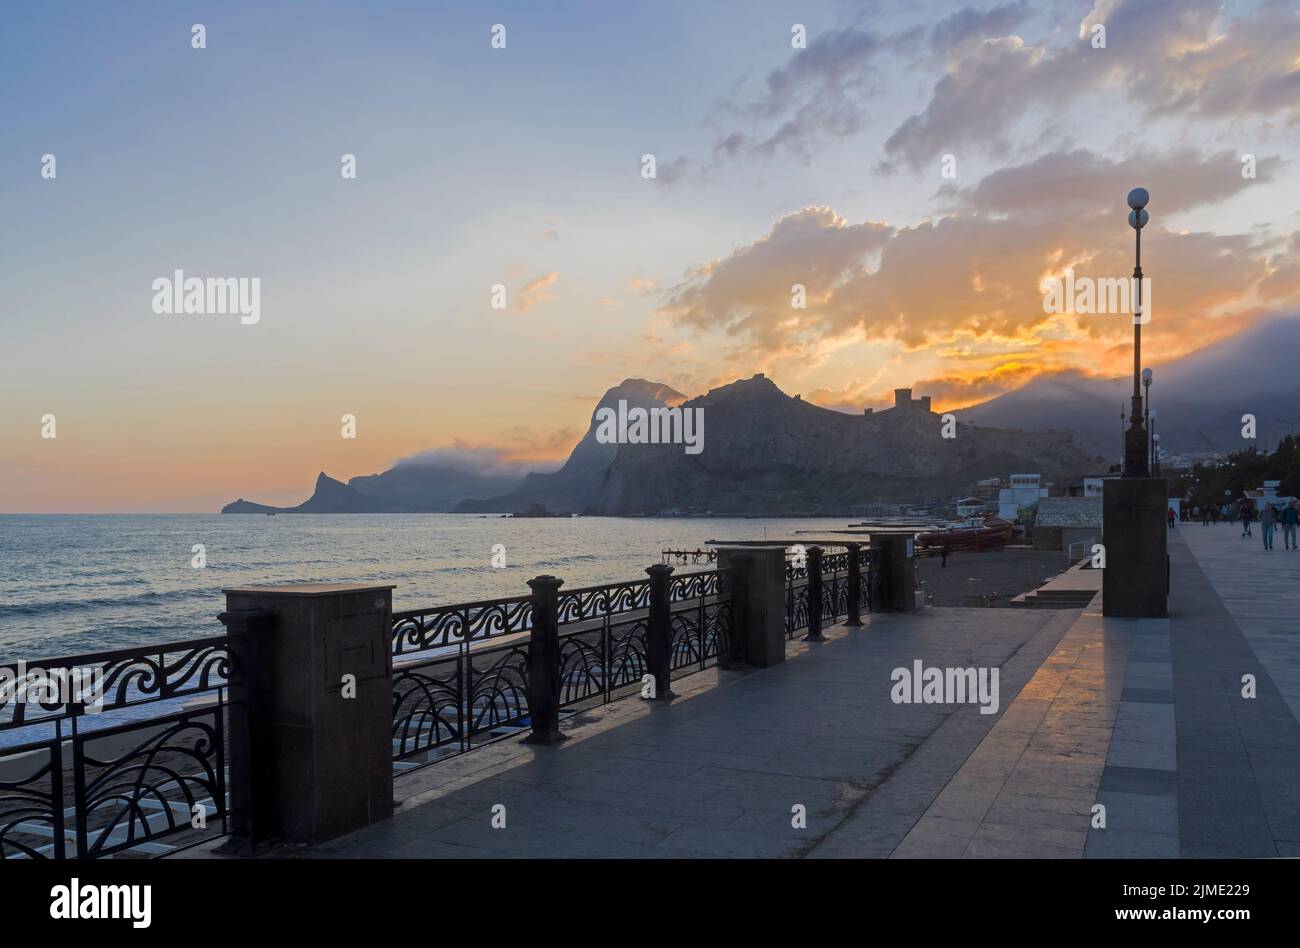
(1135, 582)
(1135, 446)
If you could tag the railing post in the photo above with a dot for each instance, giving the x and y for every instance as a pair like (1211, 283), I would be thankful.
(814, 595)
(855, 585)
(659, 633)
(544, 662)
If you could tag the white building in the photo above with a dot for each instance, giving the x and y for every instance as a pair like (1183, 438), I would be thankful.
(1024, 492)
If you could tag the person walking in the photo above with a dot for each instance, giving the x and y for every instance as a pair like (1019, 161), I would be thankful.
(1247, 515)
(1172, 517)
(1290, 517)
(1205, 515)
(1267, 517)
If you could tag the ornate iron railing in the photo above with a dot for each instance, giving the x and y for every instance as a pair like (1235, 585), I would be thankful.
(701, 620)
(836, 589)
(135, 756)
(422, 629)
(462, 693)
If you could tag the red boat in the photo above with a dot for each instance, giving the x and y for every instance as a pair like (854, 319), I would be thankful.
(984, 534)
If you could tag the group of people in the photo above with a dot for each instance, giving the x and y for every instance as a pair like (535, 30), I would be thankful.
(1269, 517)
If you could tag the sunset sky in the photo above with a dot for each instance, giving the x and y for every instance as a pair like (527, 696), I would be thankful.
(522, 166)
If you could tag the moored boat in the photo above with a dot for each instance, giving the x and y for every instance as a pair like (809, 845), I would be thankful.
(977, 533)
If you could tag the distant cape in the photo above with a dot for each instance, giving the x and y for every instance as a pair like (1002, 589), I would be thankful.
(330, 496)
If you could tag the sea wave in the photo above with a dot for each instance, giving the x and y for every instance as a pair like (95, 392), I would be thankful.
(54, 607)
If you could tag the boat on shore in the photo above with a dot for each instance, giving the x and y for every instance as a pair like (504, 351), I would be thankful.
(977, 533)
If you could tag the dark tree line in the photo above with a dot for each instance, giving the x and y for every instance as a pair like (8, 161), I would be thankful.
(1225, 482)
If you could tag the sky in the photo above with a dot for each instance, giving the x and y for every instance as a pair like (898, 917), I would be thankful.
(919, 168)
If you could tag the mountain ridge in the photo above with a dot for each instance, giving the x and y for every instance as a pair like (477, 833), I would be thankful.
(768, 452)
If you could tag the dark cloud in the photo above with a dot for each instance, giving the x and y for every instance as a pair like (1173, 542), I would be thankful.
(968, 25)
(1169, 56)
(816, 96)
(1187, 179)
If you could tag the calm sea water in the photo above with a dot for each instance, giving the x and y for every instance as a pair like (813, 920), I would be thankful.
(74, 584)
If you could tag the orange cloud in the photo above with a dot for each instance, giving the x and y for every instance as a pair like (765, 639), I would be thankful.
(533, 293)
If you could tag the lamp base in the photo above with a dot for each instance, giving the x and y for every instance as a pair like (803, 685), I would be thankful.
(1135, 532)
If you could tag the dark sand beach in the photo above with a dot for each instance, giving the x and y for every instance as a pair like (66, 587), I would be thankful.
(987, 579)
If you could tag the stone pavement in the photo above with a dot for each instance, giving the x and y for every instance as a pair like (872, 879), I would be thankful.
(718, 772)
(1145, 718)
(1238, 759)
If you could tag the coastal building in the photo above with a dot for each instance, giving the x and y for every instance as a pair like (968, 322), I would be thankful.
(1268, 494)
(1189, 460)
(969, 507)
(876, 511)
(1090, 486)
(1022, 494)
(987, 489)
(1062, 521)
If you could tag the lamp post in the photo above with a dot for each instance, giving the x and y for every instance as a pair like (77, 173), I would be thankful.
(1135, 583)
(1135, 445)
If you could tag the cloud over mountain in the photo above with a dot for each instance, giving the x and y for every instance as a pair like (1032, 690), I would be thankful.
(978, 272)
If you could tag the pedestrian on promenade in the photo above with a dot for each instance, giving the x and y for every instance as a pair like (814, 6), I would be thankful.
(1247, 515)
(1290, 517)
(943, 556)
(1205, 516)
(1267, 516)
(1172, 517)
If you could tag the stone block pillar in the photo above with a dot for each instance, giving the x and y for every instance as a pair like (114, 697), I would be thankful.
(1135, 532)
(758, 621)
(898, 571)
(311, 688)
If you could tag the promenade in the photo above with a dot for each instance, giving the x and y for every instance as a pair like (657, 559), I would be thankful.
(1143, 717)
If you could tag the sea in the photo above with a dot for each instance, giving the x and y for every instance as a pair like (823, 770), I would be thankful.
(73, 584)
